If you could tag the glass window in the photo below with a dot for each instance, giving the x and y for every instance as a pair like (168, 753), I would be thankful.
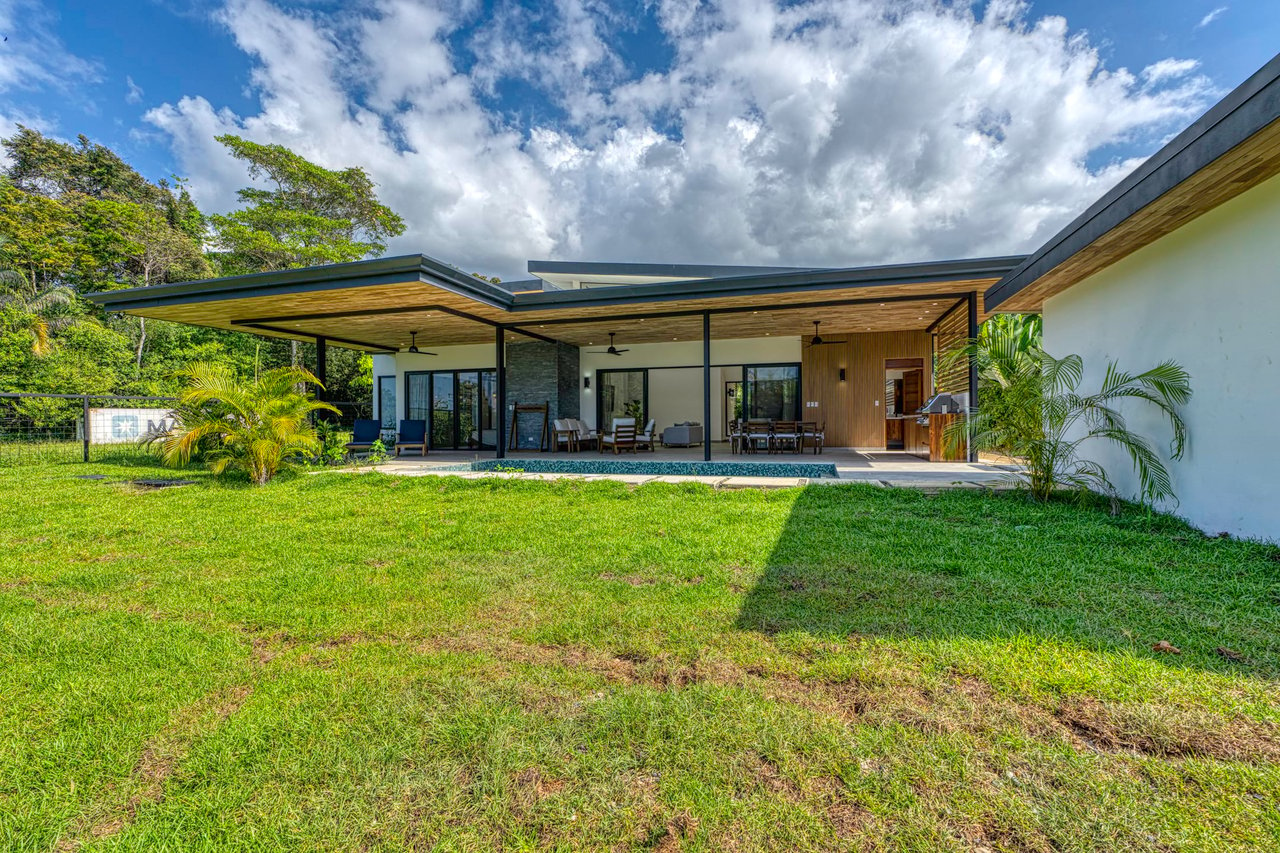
(387, 401)
(442, 424)
(622, 394)
(772, 391)
(417, 396)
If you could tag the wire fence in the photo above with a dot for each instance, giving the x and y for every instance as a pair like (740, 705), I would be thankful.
(49, 428)
(351, 412)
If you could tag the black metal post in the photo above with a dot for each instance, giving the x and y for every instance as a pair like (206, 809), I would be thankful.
(500, 353)
(322, 367)
(85, 428)
(706, 386)
(973, 374)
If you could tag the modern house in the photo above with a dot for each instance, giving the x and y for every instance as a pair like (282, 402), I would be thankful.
(1181, 260)
(853, 349)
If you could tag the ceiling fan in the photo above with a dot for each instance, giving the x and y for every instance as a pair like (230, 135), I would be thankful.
(816, 340)
(612, 350)
(413, 345)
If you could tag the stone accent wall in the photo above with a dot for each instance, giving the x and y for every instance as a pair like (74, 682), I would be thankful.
(539, 372)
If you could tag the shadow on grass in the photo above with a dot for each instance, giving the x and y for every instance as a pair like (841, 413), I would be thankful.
(864, 561)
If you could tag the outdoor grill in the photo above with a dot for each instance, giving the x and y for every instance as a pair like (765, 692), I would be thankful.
(939, 404)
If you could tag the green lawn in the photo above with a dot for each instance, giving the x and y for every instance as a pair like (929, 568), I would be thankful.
(363, 663)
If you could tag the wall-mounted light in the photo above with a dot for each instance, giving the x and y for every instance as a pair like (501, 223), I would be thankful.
(586, 383)
(842, 374)
(729, 391)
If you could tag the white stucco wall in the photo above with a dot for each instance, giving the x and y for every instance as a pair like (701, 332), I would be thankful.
(1207, 296)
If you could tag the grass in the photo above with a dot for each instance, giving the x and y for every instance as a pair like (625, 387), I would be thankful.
(337, 662)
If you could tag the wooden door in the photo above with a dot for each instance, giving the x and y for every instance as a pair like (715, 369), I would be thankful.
(912, 391)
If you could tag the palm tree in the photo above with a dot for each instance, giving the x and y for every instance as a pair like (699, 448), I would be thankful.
(1008, 356)
(1007, 349)
(1054, 423)
(35, 309)
(256, 425)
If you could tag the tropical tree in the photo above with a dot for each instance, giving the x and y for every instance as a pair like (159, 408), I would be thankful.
(1054, 424)
(1007, 353)
(258, 426)
(33, 311)
(308, 215)
(159, 252)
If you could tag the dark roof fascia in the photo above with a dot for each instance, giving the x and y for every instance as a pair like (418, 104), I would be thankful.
(1249, 108)
(308, 279)
(523, 284)
(681, 271)
(822, 279)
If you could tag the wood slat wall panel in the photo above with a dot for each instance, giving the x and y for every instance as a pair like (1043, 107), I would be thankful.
(849, 408)
(952, 332)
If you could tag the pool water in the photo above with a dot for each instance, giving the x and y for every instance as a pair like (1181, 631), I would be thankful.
(811, 470)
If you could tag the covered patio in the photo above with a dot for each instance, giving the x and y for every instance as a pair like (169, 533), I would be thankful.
(851, 351)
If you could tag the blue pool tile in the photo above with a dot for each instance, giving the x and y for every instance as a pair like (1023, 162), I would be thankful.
(812, 470)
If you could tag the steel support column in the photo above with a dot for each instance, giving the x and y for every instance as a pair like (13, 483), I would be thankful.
(706, 386)
(322, 368)
(973, 375)
(500, 353)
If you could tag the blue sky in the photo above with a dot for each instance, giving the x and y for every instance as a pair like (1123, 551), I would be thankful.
(575, 103)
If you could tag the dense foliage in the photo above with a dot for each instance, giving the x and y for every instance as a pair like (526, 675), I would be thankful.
(257, 425)
(1031, 408)
(77, 219)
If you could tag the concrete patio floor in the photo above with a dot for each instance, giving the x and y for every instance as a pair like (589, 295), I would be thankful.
(879, 468)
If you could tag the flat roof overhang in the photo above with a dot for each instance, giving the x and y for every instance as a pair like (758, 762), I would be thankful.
(375, 305)
(1231, 148)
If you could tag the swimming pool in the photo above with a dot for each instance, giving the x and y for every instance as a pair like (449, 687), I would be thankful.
(653, 467)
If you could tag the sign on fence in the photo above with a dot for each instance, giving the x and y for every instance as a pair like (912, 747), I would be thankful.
(121, 426)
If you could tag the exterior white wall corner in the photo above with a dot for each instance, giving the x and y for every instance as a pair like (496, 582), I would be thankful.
(1208, 297)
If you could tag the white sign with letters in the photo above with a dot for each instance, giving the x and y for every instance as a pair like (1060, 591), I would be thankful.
(123, 426)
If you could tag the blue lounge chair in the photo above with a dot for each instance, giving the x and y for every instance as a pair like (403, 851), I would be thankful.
(363, 435)
(413, 434)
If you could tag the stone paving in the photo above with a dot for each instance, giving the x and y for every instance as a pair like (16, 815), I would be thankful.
(881, 469)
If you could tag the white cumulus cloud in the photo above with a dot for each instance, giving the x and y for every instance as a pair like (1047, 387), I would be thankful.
(828, 132)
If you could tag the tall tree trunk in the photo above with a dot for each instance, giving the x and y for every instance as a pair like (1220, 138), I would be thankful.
(142, 339)
(301, 388)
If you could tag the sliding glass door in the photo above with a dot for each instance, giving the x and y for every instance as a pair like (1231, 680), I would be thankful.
(459, 406)
(622, 394)
(771, 391)
(442, 426)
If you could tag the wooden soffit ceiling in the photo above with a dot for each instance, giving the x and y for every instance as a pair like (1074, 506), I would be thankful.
(382, 317)
(1245, 166)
